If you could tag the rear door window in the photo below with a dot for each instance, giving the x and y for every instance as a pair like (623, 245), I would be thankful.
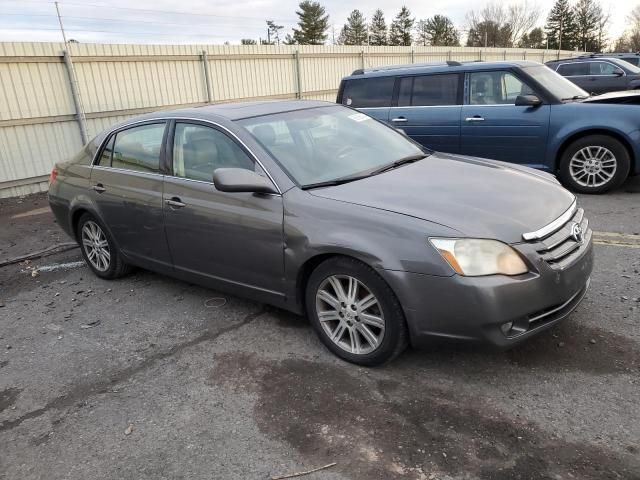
(603, 68)
(573, 69)
(428, 90)
(138, 148)
(368, 92)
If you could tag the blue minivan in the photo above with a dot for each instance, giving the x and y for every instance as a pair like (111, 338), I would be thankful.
(519, 112)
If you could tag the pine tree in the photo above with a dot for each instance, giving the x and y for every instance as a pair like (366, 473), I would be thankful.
(441, 32)
(561, 26)
(587, 15)
(313, 24)
(400, 31)
(354, 31)
(273, 32)
(378, 29)
(533, 39)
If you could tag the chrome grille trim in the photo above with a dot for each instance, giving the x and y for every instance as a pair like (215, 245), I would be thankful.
(553, 226)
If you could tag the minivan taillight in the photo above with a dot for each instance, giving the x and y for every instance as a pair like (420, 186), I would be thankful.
(53, 175)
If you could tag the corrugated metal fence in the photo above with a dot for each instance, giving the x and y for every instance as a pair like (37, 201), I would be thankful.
(40, 123)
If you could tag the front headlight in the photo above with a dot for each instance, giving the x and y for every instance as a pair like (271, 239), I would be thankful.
(475, 257)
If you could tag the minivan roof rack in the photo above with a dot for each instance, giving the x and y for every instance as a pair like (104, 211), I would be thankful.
(453, 63)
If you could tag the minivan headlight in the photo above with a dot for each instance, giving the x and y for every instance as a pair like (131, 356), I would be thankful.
(475, 257)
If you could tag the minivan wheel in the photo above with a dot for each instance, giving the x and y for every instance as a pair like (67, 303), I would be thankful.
(594, 164)
(98, 249)
(355, 313)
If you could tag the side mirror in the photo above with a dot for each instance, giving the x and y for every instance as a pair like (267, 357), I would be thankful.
(618, 73)
(528, 101)
(241, 180)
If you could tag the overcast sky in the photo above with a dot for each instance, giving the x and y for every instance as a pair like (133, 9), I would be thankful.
(215, 21)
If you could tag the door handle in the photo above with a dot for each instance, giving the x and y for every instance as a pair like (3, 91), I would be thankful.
(175, 202)
(98, 187)
(475, 118)
(399, 120)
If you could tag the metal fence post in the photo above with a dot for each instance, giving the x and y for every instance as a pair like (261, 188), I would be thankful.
(413, 56)
(480, 55)
(75, 94)
(449, 54)
(205, 72)
(296, 57)
(362, 59)
(543, 56)
(524, 55)
(504, 55)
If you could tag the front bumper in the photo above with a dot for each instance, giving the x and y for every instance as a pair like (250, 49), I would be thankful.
(474, 308)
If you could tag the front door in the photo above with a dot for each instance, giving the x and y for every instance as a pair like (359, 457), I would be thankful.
(494, 127)
(126, 185)
(428, 110)
(232, 239)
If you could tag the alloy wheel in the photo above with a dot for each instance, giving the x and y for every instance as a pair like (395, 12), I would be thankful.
(96, 246)
(593, 166)
(350, 314)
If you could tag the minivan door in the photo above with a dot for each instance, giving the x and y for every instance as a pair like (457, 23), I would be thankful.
(494, 127)
(371, 95)
(428, 110)
(126, 188)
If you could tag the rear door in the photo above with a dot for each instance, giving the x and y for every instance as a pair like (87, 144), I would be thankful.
(126, 186)
(234, 238)
(578, 73)
(494, 127)
(606, 77)
(428, 110)
(371, 95)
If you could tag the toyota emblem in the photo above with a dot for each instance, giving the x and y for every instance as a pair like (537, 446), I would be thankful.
(577, 234)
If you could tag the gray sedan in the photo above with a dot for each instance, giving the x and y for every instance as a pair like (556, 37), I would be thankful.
(321, 210)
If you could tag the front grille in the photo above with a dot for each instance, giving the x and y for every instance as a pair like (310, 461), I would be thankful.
(559, 249)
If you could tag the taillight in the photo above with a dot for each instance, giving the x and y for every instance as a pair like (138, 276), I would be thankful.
(53, 175)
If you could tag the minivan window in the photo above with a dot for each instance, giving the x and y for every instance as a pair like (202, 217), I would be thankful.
(368, 92)
(496, 88)
(138, 148)
(573, 69)
(198, 151)
(428, 90)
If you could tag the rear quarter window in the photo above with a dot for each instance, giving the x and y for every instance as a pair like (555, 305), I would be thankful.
(368, 92)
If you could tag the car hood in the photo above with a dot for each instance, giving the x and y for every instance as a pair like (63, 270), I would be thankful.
(626, 97)
(477, 197)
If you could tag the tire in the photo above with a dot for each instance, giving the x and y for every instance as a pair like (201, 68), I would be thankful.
(369, 334)
(99, 250)
(594, 164)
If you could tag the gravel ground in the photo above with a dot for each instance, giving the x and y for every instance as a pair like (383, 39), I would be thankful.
(151, 378)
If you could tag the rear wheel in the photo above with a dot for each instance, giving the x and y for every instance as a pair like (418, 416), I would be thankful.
(355, 312)
(99, 250)
(594, 164)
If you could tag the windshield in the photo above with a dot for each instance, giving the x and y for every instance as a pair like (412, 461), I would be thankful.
(628, 66)
(329, 143)
(556, 84)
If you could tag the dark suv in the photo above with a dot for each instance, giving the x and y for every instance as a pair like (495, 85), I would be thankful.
(519, 112)
(598, 74)
(632, 58)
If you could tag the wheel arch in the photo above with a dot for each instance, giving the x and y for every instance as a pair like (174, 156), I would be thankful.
(595, 131)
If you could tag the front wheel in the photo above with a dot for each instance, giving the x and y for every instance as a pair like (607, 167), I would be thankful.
(594, 164)
(355, 313)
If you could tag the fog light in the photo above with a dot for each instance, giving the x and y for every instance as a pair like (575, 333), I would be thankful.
(506, 328)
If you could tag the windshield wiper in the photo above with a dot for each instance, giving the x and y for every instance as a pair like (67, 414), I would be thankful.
(331, 183)
(351, 178)
(399, 163)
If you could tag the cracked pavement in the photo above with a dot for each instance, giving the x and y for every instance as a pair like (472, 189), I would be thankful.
(151, 377)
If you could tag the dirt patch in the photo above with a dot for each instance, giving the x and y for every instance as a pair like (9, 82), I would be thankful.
(383, 429)
(8, 397)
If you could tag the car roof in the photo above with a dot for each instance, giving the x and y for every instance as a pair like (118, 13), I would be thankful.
(237, 110)
(587, 58)
(440, 67)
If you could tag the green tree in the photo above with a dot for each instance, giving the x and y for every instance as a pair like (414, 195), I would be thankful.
(378, 29)
(248, 41)
(313, 24)
(587, 15)
(400, 31)
(489, 34)
(561, 26)
(354, 32)
(273, 32)
(438, 31)
(533, 39)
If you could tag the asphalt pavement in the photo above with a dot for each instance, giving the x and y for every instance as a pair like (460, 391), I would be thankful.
(148, 377)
